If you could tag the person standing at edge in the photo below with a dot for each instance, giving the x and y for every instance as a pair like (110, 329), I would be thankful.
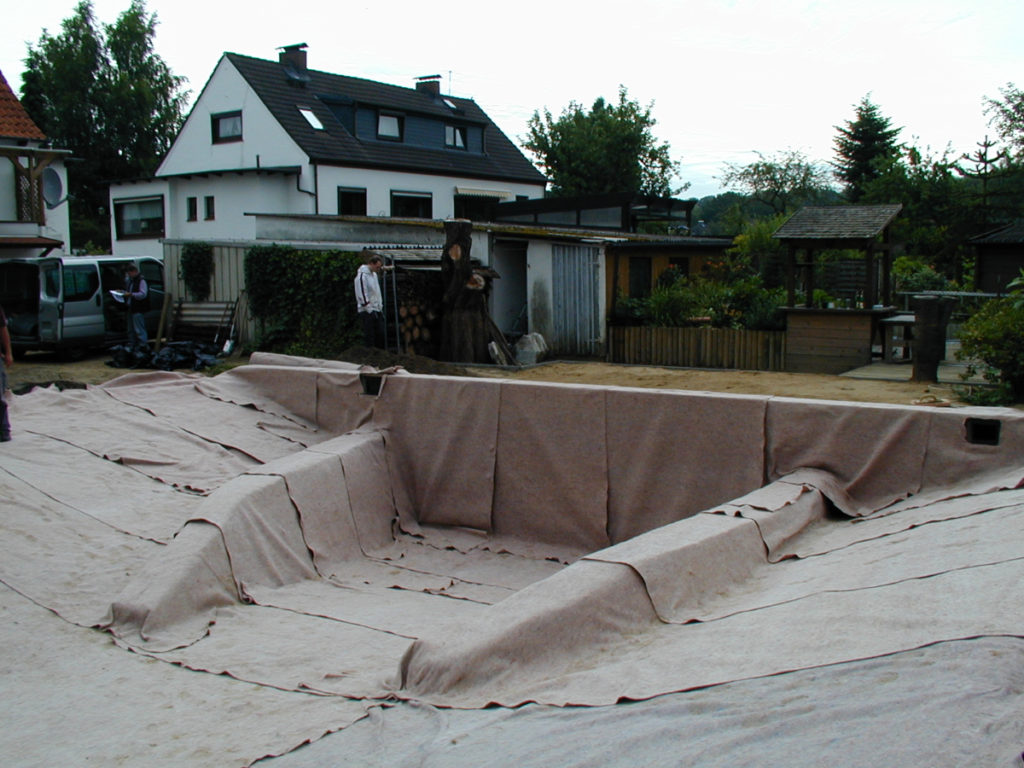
(137, 300)
(369, 303)
(6, 362)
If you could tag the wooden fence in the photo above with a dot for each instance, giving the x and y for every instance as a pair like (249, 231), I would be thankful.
(698, 347)
(227, 283)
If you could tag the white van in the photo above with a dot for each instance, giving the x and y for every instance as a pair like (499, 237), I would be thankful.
(63, 303)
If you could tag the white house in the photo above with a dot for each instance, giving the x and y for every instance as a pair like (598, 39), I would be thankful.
(275, 137)
(34, 219)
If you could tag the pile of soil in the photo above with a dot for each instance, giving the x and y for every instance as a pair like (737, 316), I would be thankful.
(380, 359)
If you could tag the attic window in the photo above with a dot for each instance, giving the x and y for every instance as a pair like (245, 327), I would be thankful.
(449, 103)
(389, 127)
(226, 126)
(312, 119)
(455, 136)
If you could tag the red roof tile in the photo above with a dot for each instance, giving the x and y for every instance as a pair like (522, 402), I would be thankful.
(14, 120)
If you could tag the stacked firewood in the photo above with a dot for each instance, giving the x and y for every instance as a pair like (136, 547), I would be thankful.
(419, 312)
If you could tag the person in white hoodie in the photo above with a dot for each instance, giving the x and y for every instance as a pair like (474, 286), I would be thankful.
(369, 303)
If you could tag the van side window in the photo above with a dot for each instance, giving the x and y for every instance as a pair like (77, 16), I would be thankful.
(80, 282)
(153, 273)
(51, 281)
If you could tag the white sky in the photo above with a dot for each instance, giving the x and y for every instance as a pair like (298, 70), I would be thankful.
(727, 77)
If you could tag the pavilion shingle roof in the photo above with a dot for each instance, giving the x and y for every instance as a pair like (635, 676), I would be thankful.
(14, 120)
(838, 222)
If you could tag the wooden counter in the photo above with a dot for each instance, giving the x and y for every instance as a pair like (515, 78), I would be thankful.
(830, 340)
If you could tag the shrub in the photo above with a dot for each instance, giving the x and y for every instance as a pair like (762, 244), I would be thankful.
(992, 340)
(303, 300)
(196, 269)
(743, 304)
(911, 274)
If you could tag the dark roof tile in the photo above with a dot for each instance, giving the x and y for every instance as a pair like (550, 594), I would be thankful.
(335, 145)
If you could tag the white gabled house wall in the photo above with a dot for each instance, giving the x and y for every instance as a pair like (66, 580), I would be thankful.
(196, 167)
(266, 172)
(264, 142)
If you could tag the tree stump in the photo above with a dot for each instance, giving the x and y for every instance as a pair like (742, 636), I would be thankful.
(465, 322)
(931, 315)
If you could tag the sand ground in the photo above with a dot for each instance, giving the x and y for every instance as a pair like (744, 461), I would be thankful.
(892, 384)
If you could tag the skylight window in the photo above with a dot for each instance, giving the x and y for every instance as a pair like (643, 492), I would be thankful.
(450, 104)
(312, 119)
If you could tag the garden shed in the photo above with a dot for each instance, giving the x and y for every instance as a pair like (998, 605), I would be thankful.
(1000, 257)
(833, 339)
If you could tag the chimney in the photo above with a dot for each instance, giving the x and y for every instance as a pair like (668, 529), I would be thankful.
(430, 85)
(293, 57)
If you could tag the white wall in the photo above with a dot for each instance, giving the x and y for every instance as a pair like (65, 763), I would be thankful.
(264, 142)
(380, 183)
(132, 191)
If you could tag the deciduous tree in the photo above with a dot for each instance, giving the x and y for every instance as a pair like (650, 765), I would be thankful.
(611, 148)
(102, 92)
(782, 181)
(1006, 115)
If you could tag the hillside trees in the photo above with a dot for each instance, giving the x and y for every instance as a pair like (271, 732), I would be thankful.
(101, 91)
(783, 181)
(610, 148)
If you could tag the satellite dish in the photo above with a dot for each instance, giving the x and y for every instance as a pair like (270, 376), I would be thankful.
(53, 188)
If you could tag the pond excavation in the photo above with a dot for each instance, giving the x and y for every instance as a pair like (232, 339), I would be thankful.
(301, 563)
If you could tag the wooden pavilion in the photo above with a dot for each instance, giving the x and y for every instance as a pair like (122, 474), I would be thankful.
(836, 339)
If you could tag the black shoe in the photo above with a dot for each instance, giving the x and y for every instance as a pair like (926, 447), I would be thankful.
(5, 438)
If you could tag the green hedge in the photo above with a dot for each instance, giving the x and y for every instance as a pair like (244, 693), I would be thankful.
(196, 269)
(303, 301)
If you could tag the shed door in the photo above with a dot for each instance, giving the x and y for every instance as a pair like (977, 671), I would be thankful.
(576, 285)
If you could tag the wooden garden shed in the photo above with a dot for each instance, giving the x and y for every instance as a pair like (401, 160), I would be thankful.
(1000, 257)
(833, 339)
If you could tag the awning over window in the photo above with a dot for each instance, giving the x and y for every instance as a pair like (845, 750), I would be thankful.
(501, 194)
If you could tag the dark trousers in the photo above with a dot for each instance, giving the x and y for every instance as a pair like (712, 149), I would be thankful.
(373, 329)
(5, 424)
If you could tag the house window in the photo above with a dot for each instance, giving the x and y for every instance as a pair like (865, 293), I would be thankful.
(455, 136)
(192, 206)
(226, 126)
(139, 218)
(412, 205)
(475, 207)
(639, 277)
(208, 210)
(351, 201)
(389, 127)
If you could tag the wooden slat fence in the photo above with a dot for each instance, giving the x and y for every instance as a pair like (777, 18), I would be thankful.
(701, 347)
(227, 284)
